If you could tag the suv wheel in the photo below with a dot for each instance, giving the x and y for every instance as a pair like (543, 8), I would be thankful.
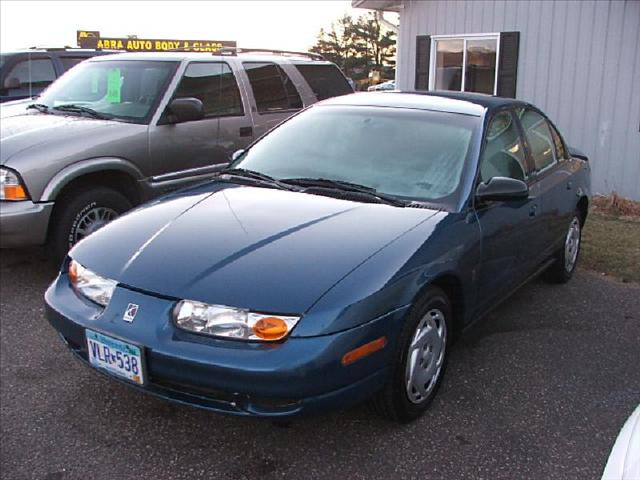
(80, 214)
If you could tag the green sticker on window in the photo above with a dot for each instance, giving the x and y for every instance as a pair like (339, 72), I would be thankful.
(114, 82)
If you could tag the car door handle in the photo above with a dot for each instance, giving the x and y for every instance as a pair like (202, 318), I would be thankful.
(246, 131)
(533, 211)
(569, 185)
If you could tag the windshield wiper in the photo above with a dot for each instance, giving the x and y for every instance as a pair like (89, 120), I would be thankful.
(41, 107)
(71, 107)
(346, 187)
(253, 175)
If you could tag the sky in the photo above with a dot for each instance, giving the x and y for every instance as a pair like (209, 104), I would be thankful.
(286, 25)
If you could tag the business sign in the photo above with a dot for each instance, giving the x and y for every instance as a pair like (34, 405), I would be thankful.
(92, 39)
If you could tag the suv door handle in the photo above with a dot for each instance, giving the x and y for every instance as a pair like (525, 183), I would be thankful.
(533, 211)
(246, 131)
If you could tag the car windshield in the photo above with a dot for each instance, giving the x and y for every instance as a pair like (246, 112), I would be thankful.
(413, 154)
(126, 90)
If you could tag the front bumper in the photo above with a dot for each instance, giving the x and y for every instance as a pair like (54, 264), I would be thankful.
(24, 223)
(293, 377)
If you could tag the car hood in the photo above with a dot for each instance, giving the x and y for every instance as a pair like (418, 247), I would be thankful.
(264, 249)
(32, 129)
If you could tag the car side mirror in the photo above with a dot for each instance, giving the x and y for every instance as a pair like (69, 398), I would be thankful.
(185, 109)
(237, 154)
(11, 83)
(502, 189)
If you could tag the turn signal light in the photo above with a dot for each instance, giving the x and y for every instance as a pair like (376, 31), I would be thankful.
(270, 328)
(73, 272)
(364, 350)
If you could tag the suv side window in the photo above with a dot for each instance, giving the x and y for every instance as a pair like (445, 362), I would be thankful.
(272, 87)
(38, 72)
(539, 137)
(70, 62)
(326, 81)
(503, 154)
(214, 85)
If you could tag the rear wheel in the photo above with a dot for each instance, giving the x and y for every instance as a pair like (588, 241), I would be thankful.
(81, 213)
(567, 258)
(420, 359)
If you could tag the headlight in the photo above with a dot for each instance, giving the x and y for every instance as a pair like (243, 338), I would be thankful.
(229, 322)
(91, 285)
(11, 187)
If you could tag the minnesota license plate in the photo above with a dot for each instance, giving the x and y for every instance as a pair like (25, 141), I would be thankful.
(115, 356)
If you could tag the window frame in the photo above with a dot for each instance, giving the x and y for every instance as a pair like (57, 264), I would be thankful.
(464, 37)
(280, 70)
(216, 62)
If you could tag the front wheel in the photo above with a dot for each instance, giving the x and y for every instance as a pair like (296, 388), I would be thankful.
(420, 359)
(81, 213)
(567, 258)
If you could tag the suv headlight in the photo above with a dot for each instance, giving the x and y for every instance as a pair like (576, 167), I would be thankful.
(11, 187)
(91, 285)
(229, 322)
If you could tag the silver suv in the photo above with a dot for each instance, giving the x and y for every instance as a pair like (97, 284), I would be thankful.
(119, 129)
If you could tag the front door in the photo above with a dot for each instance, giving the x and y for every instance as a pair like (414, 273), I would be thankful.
(189, 151)
(509, 228)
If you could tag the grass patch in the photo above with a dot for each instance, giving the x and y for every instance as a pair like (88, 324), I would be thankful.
(611, 245)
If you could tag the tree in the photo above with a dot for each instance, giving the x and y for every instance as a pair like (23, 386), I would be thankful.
(358, 46)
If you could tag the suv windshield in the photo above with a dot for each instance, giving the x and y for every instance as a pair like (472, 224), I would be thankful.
(122, 90)
(412, 154)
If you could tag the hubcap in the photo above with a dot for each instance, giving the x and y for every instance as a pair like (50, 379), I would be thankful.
(572, 245)
(426, 355)
(93, 220)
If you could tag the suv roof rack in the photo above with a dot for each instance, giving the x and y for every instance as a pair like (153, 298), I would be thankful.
(67, 48)
(285, 53)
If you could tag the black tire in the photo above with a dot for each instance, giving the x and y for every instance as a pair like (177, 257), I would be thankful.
(393, 402)
(561, 271)
(71, 209)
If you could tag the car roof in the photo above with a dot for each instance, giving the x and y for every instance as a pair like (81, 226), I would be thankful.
(205, 56)
(454, 102)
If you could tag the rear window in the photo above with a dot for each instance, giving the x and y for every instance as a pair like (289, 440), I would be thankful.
(326, 81)
(272, 88)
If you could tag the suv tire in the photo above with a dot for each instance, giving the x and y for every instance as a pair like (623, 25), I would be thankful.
(81, 213)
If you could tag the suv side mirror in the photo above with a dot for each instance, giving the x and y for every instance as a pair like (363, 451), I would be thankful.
(185, 110)
(237, 154)
(502, 189)
(11, 83)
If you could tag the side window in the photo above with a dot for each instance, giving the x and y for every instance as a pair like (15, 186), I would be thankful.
(214, 85)
(272, 87)
(561, 150)
(38, 72)
(539, 137)
(326, 81)
(70, 62)
(503, 154)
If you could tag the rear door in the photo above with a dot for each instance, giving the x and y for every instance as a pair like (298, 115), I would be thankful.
(509, 229)
(187, 151)
(272, 93)
(551, 177)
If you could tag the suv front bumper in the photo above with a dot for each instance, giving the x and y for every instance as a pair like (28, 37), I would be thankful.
(24, 223)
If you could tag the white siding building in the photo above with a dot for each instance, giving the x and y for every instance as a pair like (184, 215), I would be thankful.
(578, 61)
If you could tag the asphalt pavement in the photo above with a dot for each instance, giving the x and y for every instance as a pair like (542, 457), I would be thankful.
(538, 390)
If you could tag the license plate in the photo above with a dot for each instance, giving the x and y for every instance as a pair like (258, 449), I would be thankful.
(115, 356)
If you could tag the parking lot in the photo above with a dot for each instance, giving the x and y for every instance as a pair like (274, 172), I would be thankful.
(539, 389)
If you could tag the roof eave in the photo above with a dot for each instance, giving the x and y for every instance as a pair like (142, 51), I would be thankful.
(383, 5)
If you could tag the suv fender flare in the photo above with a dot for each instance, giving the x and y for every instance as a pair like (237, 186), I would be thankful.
(83, 167)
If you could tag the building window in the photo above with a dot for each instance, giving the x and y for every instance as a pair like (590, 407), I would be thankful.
(465, 63)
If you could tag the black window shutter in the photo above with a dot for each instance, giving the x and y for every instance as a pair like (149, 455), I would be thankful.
(508, 64)
(423, 52)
